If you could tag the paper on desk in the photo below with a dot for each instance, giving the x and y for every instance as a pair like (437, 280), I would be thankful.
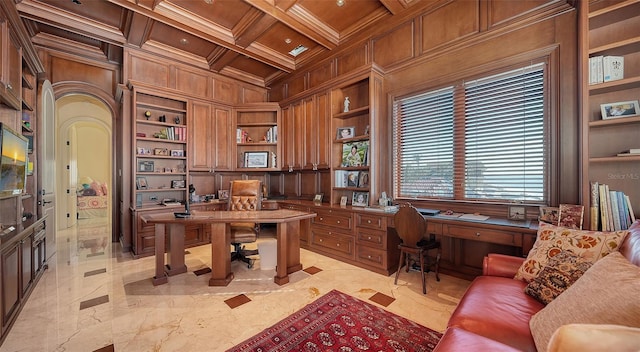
(474, 217)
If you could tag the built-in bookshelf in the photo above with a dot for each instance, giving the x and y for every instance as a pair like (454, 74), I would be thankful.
(160, 145)
(257, 146)
(610, 29)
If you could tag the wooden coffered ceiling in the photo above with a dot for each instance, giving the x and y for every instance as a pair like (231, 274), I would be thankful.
(250, 40)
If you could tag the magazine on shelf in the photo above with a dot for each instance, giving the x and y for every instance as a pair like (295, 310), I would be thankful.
(612, 68)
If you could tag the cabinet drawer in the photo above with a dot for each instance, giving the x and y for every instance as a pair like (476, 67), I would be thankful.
(376, 239)
(371, 221)
(484, 235)
(371, 256)
(332, 218)
(335, 243)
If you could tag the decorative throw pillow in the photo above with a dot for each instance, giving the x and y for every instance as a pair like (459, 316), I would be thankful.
(560, 273)
(590, 245)
(606, 294)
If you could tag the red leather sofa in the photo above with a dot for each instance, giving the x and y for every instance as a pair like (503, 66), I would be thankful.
(494, 313)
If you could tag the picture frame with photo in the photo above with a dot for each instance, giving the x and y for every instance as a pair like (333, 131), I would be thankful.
(146, 166)
(141, 183)
(619, 109)
(517, 212)
(345, 132)
(355, 154)
(223, 194)
(178, 184)
(343, 201)
(177, 152)
(360, 199)
(256, 159)
(549, 215)
(363, 179)
(317, 199)
(352, 178)
(570, 216)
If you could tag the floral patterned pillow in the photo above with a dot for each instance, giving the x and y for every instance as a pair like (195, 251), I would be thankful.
(560, 273)
(589, 245)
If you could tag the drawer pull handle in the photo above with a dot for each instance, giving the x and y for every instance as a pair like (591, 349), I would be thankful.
(369, 257)
(321, 240)
(369, 237)
(321, 218)
(338, 245)
(338, 221)
(368, 221)
(477, 234)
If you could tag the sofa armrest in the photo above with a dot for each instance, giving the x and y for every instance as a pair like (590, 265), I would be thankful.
(501, 265)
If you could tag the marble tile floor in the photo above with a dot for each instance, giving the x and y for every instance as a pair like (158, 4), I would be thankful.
(94, 297)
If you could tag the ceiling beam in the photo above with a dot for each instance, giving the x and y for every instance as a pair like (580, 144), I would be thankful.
(252, 26)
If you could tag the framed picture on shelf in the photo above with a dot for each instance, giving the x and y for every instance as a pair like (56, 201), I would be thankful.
(620, 109)
(360, 199)
(146, 166)
(517, 212)
(223, 194)
(570, 215)
(161, 151)
(177, 184)
(177, 152)
(318, 198)
(354, 154)
(363, 179)
(345, 132)
(549, 215)
(352, 178)
(141, 183)
(256, 159)
(343, 201)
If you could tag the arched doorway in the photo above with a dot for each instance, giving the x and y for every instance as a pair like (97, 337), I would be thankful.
(84, 154)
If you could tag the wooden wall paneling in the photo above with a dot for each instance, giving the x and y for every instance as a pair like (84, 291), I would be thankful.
(277, 92)
(200, 122)
(501, 12)
(223, 179)
(449, 23)
(325, 186)
(308, 184)
(253, 94)
(67, 70)
(354, 59)
(148, 71)
(224, 137)
(193, 84)
(322, 126)
(225, 90)
(320, 75)
(296, 85)
(291, 184)
(394, 47)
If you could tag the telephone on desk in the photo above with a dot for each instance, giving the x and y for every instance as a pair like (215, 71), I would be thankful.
(187, 211)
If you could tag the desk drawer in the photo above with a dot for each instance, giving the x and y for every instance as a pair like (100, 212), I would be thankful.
(484, 235)
(372, 238)
(376, 222)
(334, 219)
(335, 243)
(373, 257)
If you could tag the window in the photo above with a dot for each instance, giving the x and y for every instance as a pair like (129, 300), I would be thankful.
(479, 140)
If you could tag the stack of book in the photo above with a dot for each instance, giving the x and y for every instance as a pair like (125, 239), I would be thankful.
(610, 210)
(605, 69)
(630, 152)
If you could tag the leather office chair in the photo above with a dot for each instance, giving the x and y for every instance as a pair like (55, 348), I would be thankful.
(244, 195)
(411, 227)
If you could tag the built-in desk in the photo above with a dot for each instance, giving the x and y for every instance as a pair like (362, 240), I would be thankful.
(368, 239)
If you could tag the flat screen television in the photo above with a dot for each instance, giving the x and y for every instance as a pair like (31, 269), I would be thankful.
(13, 164)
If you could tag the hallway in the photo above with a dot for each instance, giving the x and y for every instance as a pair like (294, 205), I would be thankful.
(93, 297)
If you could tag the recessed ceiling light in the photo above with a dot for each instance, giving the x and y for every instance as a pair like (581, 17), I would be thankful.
(184, 41)
(209, 1)
(288, 40)
(77, 2)
(340, 2)
(298, 50)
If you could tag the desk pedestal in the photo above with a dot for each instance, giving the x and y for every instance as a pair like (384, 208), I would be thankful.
(175, 260)
(221, 274)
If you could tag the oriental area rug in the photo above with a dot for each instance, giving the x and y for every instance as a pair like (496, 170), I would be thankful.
(339, 322)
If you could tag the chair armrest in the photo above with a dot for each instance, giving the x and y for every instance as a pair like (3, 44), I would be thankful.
(501, 265)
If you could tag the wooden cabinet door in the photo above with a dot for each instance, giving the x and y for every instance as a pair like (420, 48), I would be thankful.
(11, 69)
(27, 272)
(287, 138)
(321, 126)
(200, 141)
(10, 284)
(222, 134)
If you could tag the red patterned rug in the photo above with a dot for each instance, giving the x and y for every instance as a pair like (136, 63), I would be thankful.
(339, 322)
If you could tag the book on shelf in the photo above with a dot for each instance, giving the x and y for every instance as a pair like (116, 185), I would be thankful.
(611, 209)
(612, 68)
(629, 152)
(595, 70)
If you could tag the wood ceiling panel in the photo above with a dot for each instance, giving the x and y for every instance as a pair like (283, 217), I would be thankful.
(340, 17)
(170, 36)
(275, 37)
(100, 11)
(225, 13)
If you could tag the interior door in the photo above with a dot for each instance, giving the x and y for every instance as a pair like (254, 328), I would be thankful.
(47, 166)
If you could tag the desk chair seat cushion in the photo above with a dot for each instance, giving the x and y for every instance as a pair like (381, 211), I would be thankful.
(243, 232)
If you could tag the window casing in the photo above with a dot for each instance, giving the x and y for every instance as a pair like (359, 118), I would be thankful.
(481, 140)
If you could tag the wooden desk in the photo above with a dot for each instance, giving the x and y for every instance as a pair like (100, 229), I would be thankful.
(288, 245)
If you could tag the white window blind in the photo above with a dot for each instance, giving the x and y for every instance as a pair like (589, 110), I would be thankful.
(424, 145)
(481, 140)
(505, 153)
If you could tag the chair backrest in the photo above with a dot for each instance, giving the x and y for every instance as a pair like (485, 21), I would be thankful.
(409, 224)
(245, 195)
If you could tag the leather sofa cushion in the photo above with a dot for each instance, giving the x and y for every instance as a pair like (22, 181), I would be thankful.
(456, 339)
(497, 308)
